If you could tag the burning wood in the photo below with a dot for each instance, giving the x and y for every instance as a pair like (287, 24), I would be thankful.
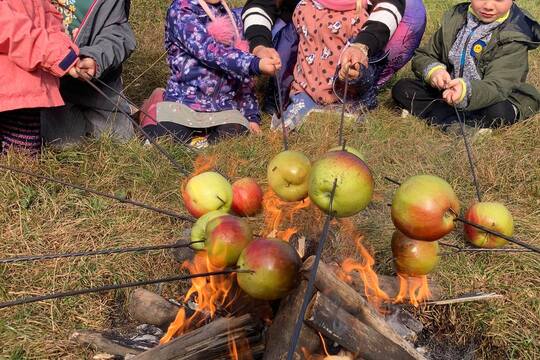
(352, 305)
(149, 308)
(281, 330)
(212, 341)
(354, 335)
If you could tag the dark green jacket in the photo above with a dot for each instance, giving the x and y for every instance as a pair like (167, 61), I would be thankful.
(503, 65)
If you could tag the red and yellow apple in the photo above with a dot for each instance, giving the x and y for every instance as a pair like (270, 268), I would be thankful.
(275, 265)
(492, 215)
(207, 192)
(288, 175)
(351, 150)
(198, 231)
(414, 257)
(247, 197)
(354, 183)
(424, 207)
(226, 237)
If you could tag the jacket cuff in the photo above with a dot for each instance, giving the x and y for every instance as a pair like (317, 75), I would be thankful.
(466, 93)
(430, 70)
(254, 66)
(263, 40)
(62, 67)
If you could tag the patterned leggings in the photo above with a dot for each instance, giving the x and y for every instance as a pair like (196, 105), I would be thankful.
(20, 130)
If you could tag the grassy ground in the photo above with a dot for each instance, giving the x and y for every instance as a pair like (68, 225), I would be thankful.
(38, 217)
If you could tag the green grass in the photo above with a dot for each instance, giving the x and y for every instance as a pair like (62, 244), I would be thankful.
(39, 217)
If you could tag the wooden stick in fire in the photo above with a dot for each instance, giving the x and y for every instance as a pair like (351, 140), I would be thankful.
(313, 274)
(280, 112)
(99, 193)
(60, 295)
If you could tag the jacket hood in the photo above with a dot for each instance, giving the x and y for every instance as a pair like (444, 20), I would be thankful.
(522, 22)
(520, 25)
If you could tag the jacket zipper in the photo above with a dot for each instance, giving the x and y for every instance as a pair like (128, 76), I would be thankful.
(464, 52)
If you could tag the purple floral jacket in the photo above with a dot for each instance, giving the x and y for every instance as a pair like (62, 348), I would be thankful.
(207, 75)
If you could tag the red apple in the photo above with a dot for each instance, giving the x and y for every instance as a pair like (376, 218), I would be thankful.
(492, 215)
(424, 207)
(247, 197)
(288, 175)
(354, 183)
(226, 237)
(207, 192)
(414, 257)
(198, 231)
(276, 267)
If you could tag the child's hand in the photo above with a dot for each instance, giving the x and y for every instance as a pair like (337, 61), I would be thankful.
(269, 66)
(266, 52)
(440, 79)
(87, 68)
(454, 92)
(255, 128)
(73, 71)
(354, 56)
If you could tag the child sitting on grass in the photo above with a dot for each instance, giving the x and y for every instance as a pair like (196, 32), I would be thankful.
(477, 61)
(34, 53)
(101, 30)
(210, 93)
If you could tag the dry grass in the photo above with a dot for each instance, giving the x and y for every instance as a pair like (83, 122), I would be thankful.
(38, 217)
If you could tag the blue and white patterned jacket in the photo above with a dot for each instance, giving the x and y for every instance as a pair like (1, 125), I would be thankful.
(206, 75)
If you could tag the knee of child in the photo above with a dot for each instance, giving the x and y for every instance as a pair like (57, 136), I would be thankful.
(499, 114)
(399, 92)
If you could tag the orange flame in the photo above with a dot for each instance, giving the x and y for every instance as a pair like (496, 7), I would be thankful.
(372, 290)
(416, 289)
(210, 294)
(276, 210)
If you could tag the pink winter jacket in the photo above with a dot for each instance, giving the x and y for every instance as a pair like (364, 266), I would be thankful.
(34, 53)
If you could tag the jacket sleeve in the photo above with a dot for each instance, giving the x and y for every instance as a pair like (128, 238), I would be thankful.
(115, 41)
(30, 47)
(191, 35)
(429, 56)
(502, 75)
(248, 103)
(383, 20)
(259, 17)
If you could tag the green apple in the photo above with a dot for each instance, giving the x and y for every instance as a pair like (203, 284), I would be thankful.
(288, 175)
(198, 231)
(414, 257)
(354, 183)
(351, 150)
(424, 207)
(275, 265)
(207, 192)
(226, 237)
(492, 215)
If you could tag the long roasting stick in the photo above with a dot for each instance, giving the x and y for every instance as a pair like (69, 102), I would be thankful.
(169, 157)
(27, 258)
(99, 193)
(312, 276)
(60, 295)
(280, 112)
(469, 154)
